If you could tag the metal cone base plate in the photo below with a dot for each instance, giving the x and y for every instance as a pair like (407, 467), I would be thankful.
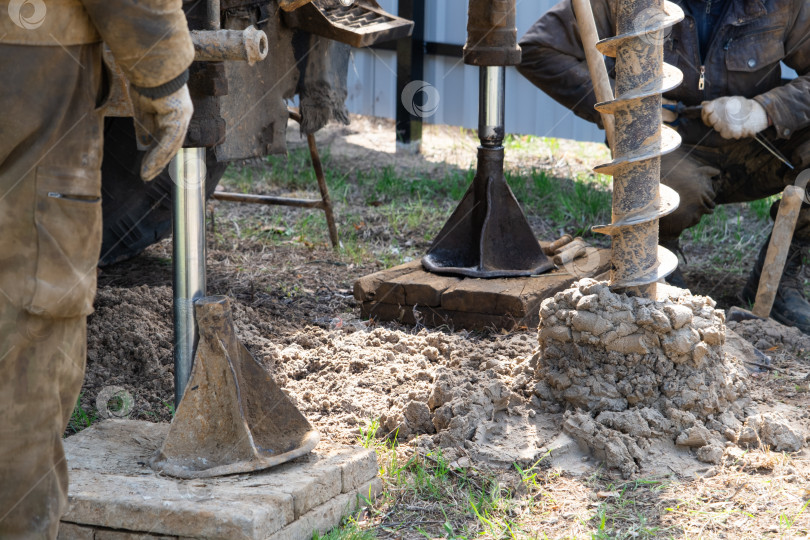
(487, 236)
(233, 417)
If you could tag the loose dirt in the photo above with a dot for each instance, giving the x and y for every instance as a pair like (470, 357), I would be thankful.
(474, 395)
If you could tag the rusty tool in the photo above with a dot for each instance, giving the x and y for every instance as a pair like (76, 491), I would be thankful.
(324, 203)
(487, 235)
(774, 151)
(359, 23)
(233, 418)
(696, 111)
(639, 199)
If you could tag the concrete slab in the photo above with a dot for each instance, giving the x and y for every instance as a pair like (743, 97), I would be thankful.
(114, 494)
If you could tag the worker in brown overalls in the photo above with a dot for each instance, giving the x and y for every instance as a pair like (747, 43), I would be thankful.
(729, 52)
(52, 90)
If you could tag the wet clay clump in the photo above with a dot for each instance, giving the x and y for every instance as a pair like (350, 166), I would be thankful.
(633, 374)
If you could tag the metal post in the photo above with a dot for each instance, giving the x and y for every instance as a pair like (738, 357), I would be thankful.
(188, 245)
(212, 15)
(491, 106)
(410, 67)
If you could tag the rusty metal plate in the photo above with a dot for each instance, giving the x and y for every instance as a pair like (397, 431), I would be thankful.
(362, 24)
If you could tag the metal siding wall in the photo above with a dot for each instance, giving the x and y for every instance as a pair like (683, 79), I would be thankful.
(372, 79)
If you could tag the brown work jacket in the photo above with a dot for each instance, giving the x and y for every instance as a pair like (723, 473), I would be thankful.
(149, 38)
(742, 60)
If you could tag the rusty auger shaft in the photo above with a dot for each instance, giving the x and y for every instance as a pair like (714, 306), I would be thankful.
(639, 199)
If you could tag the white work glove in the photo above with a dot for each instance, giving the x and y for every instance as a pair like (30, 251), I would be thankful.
(160, 127)
(735, 117)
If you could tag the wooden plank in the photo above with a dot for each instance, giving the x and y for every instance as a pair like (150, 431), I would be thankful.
(475, 304)
(434, 317)
(513, 296)
(366, 287)
(419, 288)
(390, 292)
(499, 296)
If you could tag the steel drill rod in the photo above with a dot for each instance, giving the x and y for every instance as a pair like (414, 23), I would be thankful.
(266, 199)
(188, 246)
(491, 105)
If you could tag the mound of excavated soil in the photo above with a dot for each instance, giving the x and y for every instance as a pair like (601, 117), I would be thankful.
(769, 335)
(636, 376)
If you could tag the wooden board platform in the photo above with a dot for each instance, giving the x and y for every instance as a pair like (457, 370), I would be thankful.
(409, 294)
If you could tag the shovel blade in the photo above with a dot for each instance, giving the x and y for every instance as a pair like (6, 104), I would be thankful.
(233, 417)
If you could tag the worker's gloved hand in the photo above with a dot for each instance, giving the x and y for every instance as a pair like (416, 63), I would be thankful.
(160, 127)
(668, 112)
(735, 117)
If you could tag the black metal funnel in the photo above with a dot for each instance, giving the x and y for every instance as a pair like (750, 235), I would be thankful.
(488, 236)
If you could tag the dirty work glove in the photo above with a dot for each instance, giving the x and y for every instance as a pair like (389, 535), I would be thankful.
(735, 117)
(160, 127)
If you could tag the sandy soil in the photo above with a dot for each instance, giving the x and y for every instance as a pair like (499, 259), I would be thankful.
(469, 393)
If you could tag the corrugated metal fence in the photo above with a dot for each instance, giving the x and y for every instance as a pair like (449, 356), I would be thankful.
(372, 79)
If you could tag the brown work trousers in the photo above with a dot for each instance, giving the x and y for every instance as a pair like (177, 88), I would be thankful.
(50, 218)
(738, 171)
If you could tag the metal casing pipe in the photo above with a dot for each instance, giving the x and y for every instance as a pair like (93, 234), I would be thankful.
(491, 34)
(188, 247)
(248, 45)
(491, 105)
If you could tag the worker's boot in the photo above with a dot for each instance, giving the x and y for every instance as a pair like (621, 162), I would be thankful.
(790, 306)
(676, 278)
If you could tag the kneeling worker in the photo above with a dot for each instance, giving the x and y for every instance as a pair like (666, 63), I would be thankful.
(729, 52)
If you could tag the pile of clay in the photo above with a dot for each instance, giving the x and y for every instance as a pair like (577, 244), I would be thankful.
(634, 374)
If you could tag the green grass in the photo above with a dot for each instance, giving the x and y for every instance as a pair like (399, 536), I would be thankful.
(622, 514)
(413, 206)
(347, 530)
(390, 215)
(81, 419)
